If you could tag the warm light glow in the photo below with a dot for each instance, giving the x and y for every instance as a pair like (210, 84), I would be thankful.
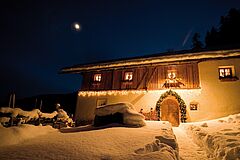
(171, 75)
(226, 71)
(97, 77)
(221, 72)
(182, 92)
(128, 76)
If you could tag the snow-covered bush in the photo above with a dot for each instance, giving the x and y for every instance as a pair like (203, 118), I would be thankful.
(129, 114)
(4, 120)
(35, 116)
(63, 116)
(48, 115)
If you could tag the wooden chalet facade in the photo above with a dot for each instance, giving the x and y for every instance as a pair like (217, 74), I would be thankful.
(148, 77)
(163, 86)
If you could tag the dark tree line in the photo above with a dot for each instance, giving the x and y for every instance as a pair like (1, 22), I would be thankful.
(226, 36)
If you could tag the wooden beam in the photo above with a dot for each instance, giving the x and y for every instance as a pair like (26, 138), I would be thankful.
(143, 78)
(149, 79)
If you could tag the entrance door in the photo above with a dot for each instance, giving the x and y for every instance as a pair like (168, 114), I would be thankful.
(170, 111)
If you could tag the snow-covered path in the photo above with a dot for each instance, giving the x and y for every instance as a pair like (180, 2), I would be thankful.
(188, 150)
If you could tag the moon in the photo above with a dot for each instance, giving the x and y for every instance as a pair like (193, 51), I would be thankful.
(76, 26)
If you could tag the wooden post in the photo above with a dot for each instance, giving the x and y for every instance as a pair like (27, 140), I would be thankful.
(40, 106)
(39, 117)
(10, 101)
(13, 106)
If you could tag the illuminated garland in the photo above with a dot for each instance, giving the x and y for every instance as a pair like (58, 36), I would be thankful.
(185, 92)
(182, 104)
(110, 92)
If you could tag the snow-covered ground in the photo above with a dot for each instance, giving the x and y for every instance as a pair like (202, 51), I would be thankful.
(153, 141)
(18, 134)
(220, 138)
(215, 139)
(188, 150)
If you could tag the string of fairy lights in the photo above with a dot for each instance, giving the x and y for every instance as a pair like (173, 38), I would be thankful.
(128, 92)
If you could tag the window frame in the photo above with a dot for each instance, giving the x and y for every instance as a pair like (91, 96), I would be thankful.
(230, 77)
(101, 102)
(224, 72)
(96, 78)
(124, 76)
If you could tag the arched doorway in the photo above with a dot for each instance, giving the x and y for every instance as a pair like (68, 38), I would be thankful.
(177, 99)
(170, 111)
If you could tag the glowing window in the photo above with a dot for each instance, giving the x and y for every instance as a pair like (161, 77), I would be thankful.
(194, 106)
(101, 101)
(128, 76)
(226, 72)
(97, 78)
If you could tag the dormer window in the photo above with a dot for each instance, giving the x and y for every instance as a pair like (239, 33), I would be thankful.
(128, 76)
(97, 77)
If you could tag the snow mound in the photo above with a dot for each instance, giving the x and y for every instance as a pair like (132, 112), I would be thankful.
(220, 138)
(4, 120)
(34, 114)
(6, 110)
(48, 115)
(17, 134)
(63, 116)
(26, 116)
(130, 115)
(161, 147)
(117, 143)
(164, 143)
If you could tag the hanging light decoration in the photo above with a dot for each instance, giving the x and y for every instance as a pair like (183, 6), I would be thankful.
(184, 92)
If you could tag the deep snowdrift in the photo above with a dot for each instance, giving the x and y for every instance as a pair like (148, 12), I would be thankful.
(153, 141)
(220, 137)
(17, 134)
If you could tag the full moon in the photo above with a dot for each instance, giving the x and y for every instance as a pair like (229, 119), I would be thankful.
(76, 26)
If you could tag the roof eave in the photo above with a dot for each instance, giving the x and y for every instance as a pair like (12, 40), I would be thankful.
(153, 60)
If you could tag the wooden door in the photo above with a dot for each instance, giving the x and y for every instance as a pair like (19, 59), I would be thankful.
(170, 111)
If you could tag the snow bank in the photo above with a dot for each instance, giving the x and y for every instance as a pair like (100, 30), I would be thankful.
(34, 114)
(109, 143)
(62, 116)
(17, 134)
(220, 138)
(4, 120)
(165, 143)
(130, 115)
(6, 110)
(48, 115)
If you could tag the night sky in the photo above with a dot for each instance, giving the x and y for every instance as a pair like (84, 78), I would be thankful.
(37, 38)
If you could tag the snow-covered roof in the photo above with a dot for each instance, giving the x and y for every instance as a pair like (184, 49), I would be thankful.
(153, 59)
